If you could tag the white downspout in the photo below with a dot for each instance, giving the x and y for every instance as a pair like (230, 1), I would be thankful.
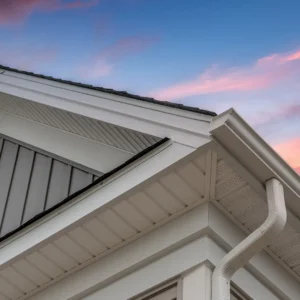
(254, 243)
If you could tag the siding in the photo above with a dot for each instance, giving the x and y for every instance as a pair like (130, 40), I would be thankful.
(32, 181)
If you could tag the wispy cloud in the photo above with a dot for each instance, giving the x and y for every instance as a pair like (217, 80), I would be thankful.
(29, 58)
(103, 62)
(281, 113)
(14, 11)
(263, 73)
(290, 151)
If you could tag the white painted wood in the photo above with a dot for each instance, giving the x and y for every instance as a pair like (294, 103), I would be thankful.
(114, 98)
(68, 246)
(111, 274)
(132, 216)
(196, 284)
(120, 227)
(87, 241)
(64, 144)
(149, 206)
(95, 198)
(244, 279)
(9, 290)
(21, 281)
(154, 121)
(28, 270)
(153, 274)
(46, 265)
(135, 255)
(262, 265)
(165, 199)
(102, 233)
(172, 182)
(171, 288)
(59, 258)
(168, 294)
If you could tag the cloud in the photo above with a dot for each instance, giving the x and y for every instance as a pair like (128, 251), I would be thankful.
(265, 72)
(14, 11)
(103, 62)
(290, 151)
(29, 59)
(281, 113)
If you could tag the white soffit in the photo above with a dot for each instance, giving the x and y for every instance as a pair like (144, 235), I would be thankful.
(185, 127)
(167, 195)
(107, 134)
(244, 164)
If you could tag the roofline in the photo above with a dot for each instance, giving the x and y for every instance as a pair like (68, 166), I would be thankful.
(87, 188)
(113, 92)
(239, 138)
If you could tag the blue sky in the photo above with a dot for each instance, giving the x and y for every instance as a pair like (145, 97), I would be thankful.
(214, 54)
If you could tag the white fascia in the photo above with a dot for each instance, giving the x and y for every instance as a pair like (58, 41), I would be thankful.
(251, 151)
(203, 235)
(127, 181)
(184, 127)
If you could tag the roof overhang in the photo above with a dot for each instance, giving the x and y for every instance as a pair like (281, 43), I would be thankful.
(259, 160)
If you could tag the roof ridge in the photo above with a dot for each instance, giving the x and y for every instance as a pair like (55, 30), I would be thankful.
(115, 92)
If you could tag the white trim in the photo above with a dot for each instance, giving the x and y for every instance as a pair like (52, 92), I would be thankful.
(234, 134)
(126, 181)
(164, 249)
(160, 289)
(196, 284)
(228, 235)
(154, 121)
(136, 255)
(244, 279)
(70, 146)
(109, 96)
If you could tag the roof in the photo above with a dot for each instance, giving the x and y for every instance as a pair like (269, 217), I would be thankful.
(114, 92)
(80, 188)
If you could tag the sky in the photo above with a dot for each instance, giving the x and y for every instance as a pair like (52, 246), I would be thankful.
(212, 54)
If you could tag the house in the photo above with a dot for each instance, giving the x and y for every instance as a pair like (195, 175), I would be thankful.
(108, 195)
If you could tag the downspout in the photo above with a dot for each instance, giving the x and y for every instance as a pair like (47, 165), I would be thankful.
(254, 243)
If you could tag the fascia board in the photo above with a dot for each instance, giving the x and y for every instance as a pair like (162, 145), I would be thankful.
(92, 201)
(228, 235)
(240, 140)
(187, 128)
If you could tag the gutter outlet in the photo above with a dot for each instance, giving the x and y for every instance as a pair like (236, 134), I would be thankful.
(254, 243)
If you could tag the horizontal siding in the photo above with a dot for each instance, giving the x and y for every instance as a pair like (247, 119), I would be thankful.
(32, 182)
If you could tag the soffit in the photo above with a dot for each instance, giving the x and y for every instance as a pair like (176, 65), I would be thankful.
(245, 204)
(172, 193)
(114, 136)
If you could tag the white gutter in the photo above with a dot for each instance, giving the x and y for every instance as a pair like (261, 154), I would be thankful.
(241, 140)
(254, 243)
(238, 138)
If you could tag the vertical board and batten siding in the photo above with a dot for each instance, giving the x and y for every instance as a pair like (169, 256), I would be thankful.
(32, 181)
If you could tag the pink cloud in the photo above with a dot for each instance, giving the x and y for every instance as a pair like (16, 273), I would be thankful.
(14, 11)
(104, 61)
(265, 72)
(28, 59)
(281, 113)
(290, 151)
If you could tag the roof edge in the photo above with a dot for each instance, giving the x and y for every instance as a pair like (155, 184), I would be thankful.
(113, 92)
(87, 188)
(232, 122)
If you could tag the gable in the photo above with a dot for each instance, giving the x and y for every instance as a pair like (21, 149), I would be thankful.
(33, 181)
